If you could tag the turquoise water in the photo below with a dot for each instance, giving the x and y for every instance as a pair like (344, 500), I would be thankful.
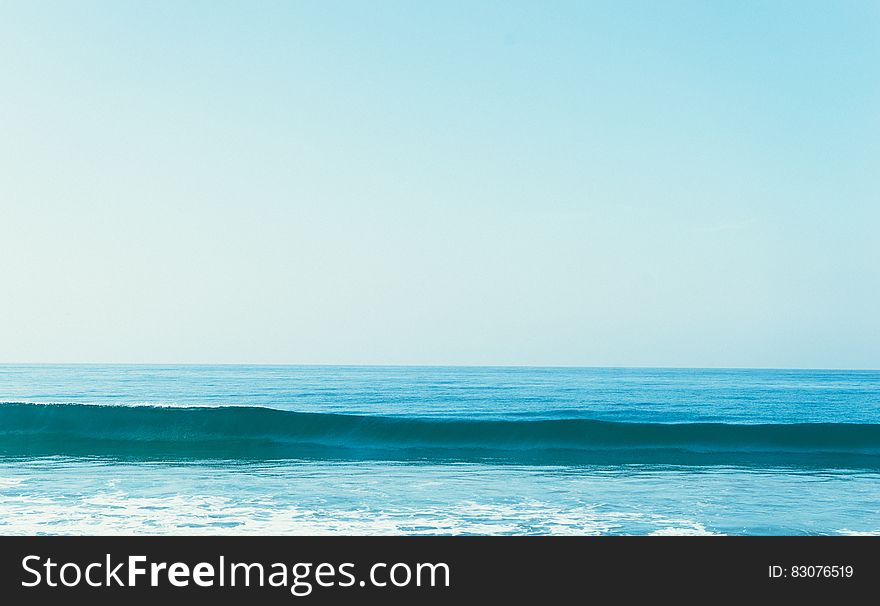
(366, 450)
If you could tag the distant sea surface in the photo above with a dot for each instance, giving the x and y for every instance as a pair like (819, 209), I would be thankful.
(100, 449)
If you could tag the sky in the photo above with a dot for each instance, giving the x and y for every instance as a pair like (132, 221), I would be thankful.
(529, 183)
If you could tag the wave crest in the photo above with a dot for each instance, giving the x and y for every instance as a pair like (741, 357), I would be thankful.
(28, 429)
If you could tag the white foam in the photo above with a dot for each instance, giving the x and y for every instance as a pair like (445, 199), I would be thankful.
(118, 513)
(859, 533)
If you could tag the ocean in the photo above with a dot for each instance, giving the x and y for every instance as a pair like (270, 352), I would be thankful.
(148, 449)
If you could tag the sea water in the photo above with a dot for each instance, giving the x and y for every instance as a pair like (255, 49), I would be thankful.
(99, 449)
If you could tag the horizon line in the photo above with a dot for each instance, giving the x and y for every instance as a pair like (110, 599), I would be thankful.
(399, 365)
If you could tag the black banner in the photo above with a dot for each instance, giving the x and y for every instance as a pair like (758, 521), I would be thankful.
(432, 570)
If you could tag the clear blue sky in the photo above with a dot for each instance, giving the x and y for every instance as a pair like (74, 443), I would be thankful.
(587, 183)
